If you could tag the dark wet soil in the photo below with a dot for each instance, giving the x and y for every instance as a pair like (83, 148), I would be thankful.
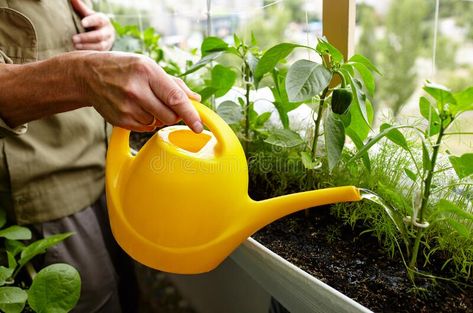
(356, 265)
(137, 140)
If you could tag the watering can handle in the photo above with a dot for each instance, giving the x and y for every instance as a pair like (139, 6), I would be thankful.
(223, 133)
(219, 128)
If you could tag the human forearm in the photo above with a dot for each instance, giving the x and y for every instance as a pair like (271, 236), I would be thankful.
(39, 89)
(128, 90)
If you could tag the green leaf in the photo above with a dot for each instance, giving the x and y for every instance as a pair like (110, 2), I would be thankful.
(5, 274)
(462, 165)
(346, 119)
(334, 133)
(3, 217)
(283, 116)
(11, 260)
(367, 77)
(440, 93)
(395, 200)
(373, 141)
(464, 100)
(252, 61)
(254, 42)
(324, 47)
(253, 115)
(212, 44)
(281, 100)
(306, 79)
(395, 136)
(359, 144)
(127, 30)
(14, 246)
(16, 232)
(358, 58)
(150, 38)
(358, 124)
(285, 138)
(280, 105)
(445, 206)
(426, 163)
(207, 92)
(460, 228)
(271, 57)
(236, 40)
(40, 246)
(55, 289)
(454, 216)
(223, 79)
(410, 174)
(230, 112)
(12, 299)
(359, 99)
(202, 62)
(262, 119)
(308, 161)
(431, 115)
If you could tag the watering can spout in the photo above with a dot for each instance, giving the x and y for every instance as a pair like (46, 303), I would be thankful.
(272, 209)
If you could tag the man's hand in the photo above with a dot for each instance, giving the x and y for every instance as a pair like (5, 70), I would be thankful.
(100, 33)
(133, 92)
(128, 90)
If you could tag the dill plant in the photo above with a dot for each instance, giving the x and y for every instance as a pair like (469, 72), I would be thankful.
(384, 180)
(434, 209)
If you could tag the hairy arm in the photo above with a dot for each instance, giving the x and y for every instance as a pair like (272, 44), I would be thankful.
(128, 90)
(35, 90)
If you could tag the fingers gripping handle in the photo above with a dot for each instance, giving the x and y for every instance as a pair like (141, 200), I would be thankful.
(119, 148)
(219, 128)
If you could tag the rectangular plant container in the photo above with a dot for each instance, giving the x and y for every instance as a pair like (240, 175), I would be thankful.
(253, 273)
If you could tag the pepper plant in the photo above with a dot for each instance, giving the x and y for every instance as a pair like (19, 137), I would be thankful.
(147, 42)
(309, 81)
(441, 107)
(55, 288)
(223, 76)
(304, 81)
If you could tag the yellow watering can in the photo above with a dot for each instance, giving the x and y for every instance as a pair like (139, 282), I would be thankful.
(181, 205)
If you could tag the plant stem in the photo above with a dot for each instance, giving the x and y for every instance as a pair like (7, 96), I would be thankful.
(247, 107)
(31, 271)
(318, 120)
(425, 200)
(430, 174)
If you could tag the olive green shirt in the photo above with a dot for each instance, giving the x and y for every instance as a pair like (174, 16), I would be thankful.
(51, 167)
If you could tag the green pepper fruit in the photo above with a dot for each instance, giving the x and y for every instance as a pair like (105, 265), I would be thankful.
(341, 100)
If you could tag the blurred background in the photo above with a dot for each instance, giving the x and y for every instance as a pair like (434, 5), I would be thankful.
(408, 40)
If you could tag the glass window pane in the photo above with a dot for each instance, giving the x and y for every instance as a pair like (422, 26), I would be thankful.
(409, 45)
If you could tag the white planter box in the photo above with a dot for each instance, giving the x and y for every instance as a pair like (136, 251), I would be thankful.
(295, 289)
(253, 273)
